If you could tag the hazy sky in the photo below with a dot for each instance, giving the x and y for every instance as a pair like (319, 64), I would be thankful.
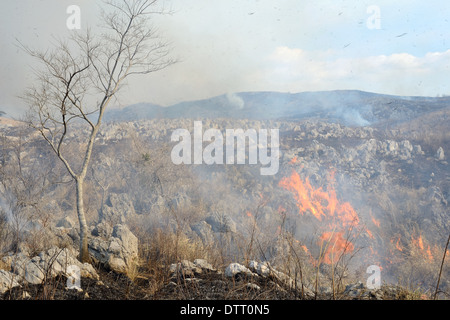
(254, 45)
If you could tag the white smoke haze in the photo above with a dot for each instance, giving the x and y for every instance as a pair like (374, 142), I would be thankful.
(16, 217)
(235, 101)
(5, 207)
(351, 116)
(268, 48)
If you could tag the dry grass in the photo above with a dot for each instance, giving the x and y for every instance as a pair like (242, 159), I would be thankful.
(4, 266)
(158, 251)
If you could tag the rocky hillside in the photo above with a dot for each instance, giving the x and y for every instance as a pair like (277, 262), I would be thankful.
(346, 197)
(357, 108)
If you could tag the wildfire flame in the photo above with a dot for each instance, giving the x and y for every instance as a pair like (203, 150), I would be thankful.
(324, 206)
(397, 244)
(338, 217)
(375, 221)
(336, 245)
(419, 245)
(320, 203)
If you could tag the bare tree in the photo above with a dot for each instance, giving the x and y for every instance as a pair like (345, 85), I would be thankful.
(24, 182)
(81, 76)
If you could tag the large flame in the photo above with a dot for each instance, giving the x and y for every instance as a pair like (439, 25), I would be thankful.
(319, 202)
(324, 206)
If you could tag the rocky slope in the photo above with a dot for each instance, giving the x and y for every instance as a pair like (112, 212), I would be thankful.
(394, 178)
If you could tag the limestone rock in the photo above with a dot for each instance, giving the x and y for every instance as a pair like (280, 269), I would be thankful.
(235, 269)
(8, 281)
(117, 209)
(440, 155)
(118, 252)
(204, 231)
(50, 263)
(66, 222)
(221, 223)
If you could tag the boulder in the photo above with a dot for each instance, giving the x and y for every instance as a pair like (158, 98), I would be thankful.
(117, 209)
(188, 269)
(102, 229)
(221, 223)
(235, 269)
(418, 149)
(49, 264)
(185, 269)
(392, 146)
(204, 231)
(265, 270)
(204, 265)
(66, 222)
(26, 268)
(356, 290)
(440, 155)
(180, 200)
(262, 269)
(118, 252)
(8, 281)
(61, 261)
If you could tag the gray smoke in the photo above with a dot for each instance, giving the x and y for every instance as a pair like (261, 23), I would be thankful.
(235, 101)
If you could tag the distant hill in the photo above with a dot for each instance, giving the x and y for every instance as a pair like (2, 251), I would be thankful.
(349, 107)
(7, 122)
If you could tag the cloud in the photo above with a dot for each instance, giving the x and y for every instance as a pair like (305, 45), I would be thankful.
(294, 69)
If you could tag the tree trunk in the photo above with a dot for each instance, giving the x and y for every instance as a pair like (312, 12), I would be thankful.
(84, 252)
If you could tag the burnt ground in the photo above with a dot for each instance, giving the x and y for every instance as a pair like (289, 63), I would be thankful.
(204, 286)
(216, 286)
(112, 286)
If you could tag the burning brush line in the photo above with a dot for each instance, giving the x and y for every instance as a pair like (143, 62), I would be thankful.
(337, 217)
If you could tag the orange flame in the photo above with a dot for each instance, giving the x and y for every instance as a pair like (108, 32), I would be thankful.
(303, 193)
(336, 245)
(318, 202)
(397, 245)
(324, 205)
(376, 222)
(429, 254)
(418, 243)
